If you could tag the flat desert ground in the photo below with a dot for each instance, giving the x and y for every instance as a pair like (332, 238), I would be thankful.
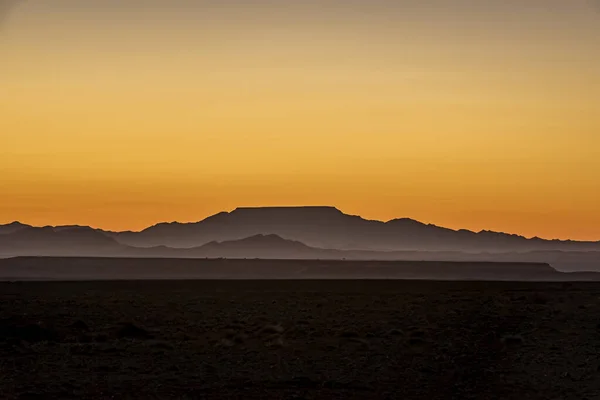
(299, 339)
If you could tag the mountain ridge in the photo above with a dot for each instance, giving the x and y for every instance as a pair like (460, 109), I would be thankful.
(12, 227)
(326, 227)
(87, 242)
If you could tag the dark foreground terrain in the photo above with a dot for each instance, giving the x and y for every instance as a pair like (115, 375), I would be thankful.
(99, 268)
(299, 339)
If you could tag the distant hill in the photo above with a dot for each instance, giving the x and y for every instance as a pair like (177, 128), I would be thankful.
(81, 241)
(12, 227)
(328, 227)
(57, 241)
(275, 247)
(257, 246)
(298, 233)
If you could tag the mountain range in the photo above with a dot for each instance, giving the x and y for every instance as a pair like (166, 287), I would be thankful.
(328, 227)
(296, 232)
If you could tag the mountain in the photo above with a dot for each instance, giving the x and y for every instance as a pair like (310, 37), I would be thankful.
(12, 227)
(62, 241)
(328, 227)
(274, 247)
(304, 224)
(298, 232)
(87, 242)
(258, 246)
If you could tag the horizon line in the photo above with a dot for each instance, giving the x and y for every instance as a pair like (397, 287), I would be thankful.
(191, 222)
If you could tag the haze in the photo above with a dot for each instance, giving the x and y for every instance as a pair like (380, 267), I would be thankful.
(468, 114)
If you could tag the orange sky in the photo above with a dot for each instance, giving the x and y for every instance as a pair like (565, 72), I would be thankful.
(119, 114)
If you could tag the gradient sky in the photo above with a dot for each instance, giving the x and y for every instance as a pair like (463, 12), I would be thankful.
(469, 114)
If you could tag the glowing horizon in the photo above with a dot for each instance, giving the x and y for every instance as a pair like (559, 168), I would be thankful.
(142, 227)
(481, 115)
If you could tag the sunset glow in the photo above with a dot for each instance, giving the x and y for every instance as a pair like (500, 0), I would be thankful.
(483, 115)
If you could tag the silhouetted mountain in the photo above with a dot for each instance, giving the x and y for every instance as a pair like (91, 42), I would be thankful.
(275, 247)
(83, 241)
(266, 242)
(12, 227)
(328, 227)
(73, 228)
(258, 246)
(57, 241)
(300, 233)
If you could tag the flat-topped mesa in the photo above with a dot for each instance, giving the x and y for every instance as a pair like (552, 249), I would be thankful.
(288, 209)
(310, 213)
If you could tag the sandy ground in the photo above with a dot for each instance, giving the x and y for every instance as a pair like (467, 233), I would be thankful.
(299, 339)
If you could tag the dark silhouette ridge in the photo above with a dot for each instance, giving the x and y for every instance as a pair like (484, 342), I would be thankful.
(58, 241)
(12, 227)
(83, 241)
(264, 241)
(275, 247)
(328, 227)
(90, 268)
(72, 228)
(298, 232)
(258, 246)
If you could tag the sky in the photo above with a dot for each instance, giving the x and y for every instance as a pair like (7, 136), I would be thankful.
(472, 114)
